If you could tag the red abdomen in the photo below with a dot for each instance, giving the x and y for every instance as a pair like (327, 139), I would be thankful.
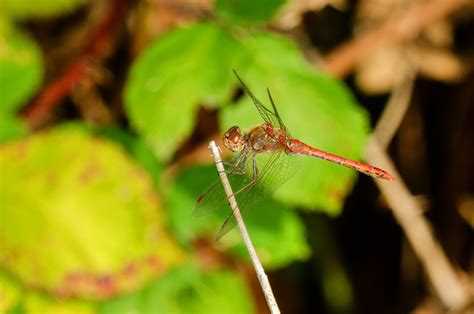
(300, 148)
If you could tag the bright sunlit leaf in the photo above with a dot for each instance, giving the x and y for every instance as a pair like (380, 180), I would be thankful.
(35, 302)
(11, 127)
(137, 148)
(18, 299)
(21, 70)
(78, 217)
(38, 8)
(178, 72)
(10, 292)
(21, 67)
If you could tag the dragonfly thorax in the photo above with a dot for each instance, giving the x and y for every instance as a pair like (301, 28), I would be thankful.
(233, 139)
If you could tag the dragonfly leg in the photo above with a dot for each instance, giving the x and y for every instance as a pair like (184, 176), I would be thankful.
(238, 166)
(235, 160)
(255, 177)
(254, 168)
(230, 222)
(254, 171)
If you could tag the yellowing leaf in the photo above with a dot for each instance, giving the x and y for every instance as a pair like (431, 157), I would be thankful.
(78, 217)
(38, 8)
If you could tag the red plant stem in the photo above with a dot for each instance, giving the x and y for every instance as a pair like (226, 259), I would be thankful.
(53, 93)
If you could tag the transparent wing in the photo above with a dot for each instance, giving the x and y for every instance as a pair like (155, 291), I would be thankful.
(269, 116)
(214, 198)
(276, 114)
(277, 169)
(273, 170)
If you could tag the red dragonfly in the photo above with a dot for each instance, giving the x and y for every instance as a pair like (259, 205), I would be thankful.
(261, 164)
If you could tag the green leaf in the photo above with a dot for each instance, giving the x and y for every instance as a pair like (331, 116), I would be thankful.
(78, 216)
(21, 68)
(135, 146)
(37, 8)
(186, 290)
(316, 108)
(276, 230)
(277, 233)
(248, 10)
(12, 127)
(186, 67)
(35, 302)
(130, 142)
(181, 199)
(10, 292)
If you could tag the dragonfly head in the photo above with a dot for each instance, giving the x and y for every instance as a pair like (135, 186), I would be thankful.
(233, 139)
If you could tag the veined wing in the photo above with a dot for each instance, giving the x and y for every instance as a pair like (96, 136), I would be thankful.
(274, 170)
(214, 198)
(277, 169)
(269, 116)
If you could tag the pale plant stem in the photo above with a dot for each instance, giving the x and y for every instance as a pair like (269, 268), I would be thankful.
(417, 230)
(402, 27)
(262, 277)
(404, 206)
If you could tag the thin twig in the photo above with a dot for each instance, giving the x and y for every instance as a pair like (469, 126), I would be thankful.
(396, 107)
(409, 216)
(262, 277)
(404, 206)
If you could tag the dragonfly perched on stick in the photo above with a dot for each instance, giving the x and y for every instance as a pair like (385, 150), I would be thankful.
(263, 162)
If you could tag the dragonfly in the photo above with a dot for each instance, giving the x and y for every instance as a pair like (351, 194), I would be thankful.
(263, 162)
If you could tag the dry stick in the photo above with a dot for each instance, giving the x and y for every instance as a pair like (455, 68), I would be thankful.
(407, 212)
(405, 208)
(396, 107)
(402, 27)
(262, 277)
(409, 215)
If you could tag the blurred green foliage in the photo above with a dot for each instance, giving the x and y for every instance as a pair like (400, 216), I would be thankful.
(278, 237)
(247, 11)
(170, 80)
(80, 202)
(69, 226)
(16, 299)
(21, 9)
(21, 69)
(187, 290)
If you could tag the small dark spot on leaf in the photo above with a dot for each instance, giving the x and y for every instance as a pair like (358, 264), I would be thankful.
(90, 172)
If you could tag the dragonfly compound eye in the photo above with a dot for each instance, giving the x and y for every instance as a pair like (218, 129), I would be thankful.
(233, 139)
